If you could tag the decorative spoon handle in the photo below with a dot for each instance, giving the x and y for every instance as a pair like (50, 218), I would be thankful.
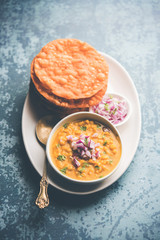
(42, 200)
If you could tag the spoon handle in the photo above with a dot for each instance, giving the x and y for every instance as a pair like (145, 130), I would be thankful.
(42, 200)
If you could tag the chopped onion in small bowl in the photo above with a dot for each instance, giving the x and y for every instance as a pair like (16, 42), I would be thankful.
(113, 107)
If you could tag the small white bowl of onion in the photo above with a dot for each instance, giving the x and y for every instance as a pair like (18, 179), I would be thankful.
(114, 107)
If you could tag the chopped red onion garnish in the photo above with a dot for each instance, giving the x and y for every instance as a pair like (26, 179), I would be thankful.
(84, 148)
(75, 161)
(113, 108)
(70, 137)
(95, 135)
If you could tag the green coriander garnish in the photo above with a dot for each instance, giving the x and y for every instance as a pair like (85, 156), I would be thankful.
(110, 161)
(85, 164)
(86, 141)
(61, 157)
(106, 107)
(114, 111)
(83, 128)
(101, 176)
(98, 125)
(63, 170)
(65, 125)
(97, 167)
(82, 169)
(58, 145)
(105, 143)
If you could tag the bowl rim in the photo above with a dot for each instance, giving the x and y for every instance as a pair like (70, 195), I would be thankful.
(79, 116)
(128, 104)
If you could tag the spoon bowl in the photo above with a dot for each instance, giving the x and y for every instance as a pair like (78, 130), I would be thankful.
(43, 128)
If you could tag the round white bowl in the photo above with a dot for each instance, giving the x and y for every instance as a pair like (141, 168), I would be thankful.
(75, 117)
(128, 106)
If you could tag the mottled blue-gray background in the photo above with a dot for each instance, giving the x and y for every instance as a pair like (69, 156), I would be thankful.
(129, 31)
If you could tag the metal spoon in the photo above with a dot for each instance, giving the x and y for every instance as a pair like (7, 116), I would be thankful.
(43, 129)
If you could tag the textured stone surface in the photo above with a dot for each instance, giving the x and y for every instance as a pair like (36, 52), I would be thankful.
(129, 31)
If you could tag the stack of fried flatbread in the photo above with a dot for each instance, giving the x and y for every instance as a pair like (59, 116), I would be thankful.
(70, 73)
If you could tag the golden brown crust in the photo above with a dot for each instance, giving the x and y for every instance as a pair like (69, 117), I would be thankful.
(70, 69)
(49, 92)
(67, 103)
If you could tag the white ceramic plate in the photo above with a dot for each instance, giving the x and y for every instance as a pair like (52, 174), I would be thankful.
(120, 82)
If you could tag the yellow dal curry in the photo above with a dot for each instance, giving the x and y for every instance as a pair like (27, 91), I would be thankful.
(85, 150)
